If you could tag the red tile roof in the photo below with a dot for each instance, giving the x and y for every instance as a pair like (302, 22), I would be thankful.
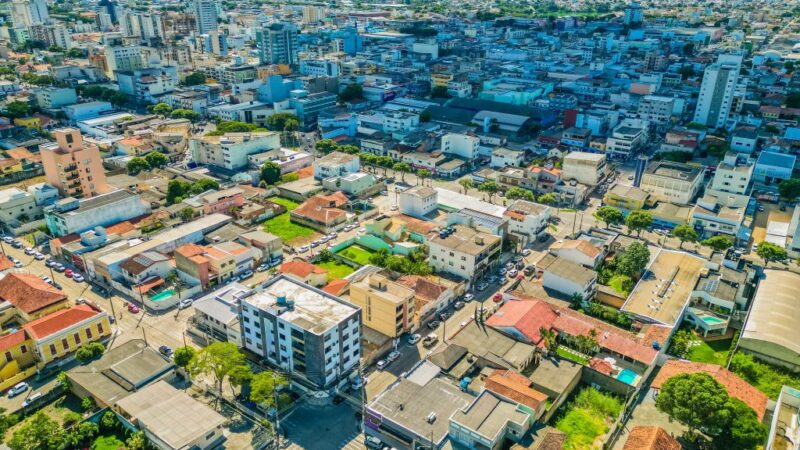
(527, 317)
(336, 287)
(28, 293)
(735, 386)
(300, 269)
(12, 340)
(59, 320)
(5, 263)
(323, 208)
(601, 366)
(650, 438)
(515, 386)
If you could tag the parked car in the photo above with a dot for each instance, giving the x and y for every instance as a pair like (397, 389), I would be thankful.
(68, 273)
(29, 251)
(8, 239)
(333, 235)
(414, 338)
(482, 286)
(47, 279)
(520, 265)
(38, 256)
(380, 365)
(394, 207)
(526, 252)
(59, 267)
(303, 249)
(262, 268)
(185, 303)
(246, 274)
(517, 259)
(29, 401)
(17, 263)
(458, 305)
(468, 297)
(18, 388)
(357, 383)
(393, 356)
(78, 278)
(433, 325)
(315, 244)
(16, 243)
(512, 273)
(509, 265)
(444, 315)
(503, 270)
(165, 350)
(529, 270)
(373, 442)
(384, 192)
(430, 340)
(133, 308)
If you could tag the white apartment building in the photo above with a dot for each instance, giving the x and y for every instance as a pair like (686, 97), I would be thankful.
(336, 164)
(418, 201)
(567, 277)
(656, 109)
(627, 138)
(313, 14)
(465, 252)
(527, 219)
(319, 67)
(733, 175)
(389, 121)
(717, 91)
(123, 59)
(585, 168)
(313, 335)
(672, 182)
(25, 13)
(17, 206)
(231, 150)
(205, 15)
(461, 145)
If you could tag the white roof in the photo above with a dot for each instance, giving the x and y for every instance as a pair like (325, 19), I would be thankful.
(454, 200)
(774, 314)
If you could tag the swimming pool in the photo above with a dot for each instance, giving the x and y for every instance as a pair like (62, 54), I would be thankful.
(627, 376)
(163, 295)
(711, 320)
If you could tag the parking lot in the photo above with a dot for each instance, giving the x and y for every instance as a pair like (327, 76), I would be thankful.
(329, 427)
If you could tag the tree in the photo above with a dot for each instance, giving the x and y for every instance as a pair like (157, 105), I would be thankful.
(156, 159)
(326, 146)
(744, 431)
(239, 375)
(403, 168)
(351, 92)
(217, 360)
(137, 441)
(638, 220)
(277, 122)
(549, 337)
(162, 109)
(39, 433)
(136, 165)
(425, 116)
(17, 109)
(681, 343)
(194, 79)
(467, 184)
(440, 92)
(89, 351)
(548, 199)
(685, 233)
(489, 187)
(719, 242)
(233, 126)
(185, 114)
(789, 189)
(423, 175)
(183, 355)
(609, 215)
(263, 385)
(515, 192)
(271, 172)
(793, 99)
(771, 252)
(633, 260)
(695, 400)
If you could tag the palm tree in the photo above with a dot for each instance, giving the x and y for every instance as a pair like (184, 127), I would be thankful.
(423, 175)
(467, 184)
(549, 337)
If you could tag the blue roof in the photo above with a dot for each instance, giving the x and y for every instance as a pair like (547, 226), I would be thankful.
(776, 160)
(792, 134)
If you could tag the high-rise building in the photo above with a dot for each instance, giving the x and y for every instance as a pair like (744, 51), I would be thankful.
(634, 15)
(717, 91)
(51, 35)
(313, 14)
(25, 13)
(278, 44)
(205, 14)
(122, 58)
(144, 25)
(73, 166)
(109, 7)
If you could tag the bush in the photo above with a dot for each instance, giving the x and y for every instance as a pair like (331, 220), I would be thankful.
(89, 351)
(88, 404)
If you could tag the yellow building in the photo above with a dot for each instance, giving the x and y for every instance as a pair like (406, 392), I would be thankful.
(441, 79)
(18, 361)
(29, 122)
(58, 335)
(626, 197)
(386, 306)
(31, 297)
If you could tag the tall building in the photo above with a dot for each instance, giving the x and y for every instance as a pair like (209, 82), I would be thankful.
(73, 166)
(313, 14)
(634, 15)
(122, 59)
(717, 91)
(109, 7)
(51, 35)
(205, 14)
(278, 44)
(25, 13)
(144, 25)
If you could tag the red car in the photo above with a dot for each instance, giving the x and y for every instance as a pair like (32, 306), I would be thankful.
(68, 273)
(133, 308)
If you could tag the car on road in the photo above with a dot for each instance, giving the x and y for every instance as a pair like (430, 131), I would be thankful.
(324, 239)
(430, 340)
(185, 303)
(38, 256)
(8, 239)
(520, 265)
(16, 243)
(414, 338)
(503, 270)
(393, 356)
(315, 244)
(444, 315)
(509, 265)
(246, 274)
(373, 442)
(68, 273)
(482, 286)
(434, 325)
(468, 297)
(133, 308)
(348, 227)
(463, 324)
(394, 207)
(262, 268)
(458, 305)
(165, 350)
(384, 192)
(517, 259)
(18, 388)
(59, 267)
(17, 263)
(529, 270)
(46, 279)
(362, 230)
(28, 401)
(29, 251)
(333, 235)
(357, 383)
(526, 252)
(760, 208)
(630, 177)
(303, 249)
(512, 273)
(381, 364)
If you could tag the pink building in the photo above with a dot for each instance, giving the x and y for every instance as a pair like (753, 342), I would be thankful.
(74, 167)
(222, 201)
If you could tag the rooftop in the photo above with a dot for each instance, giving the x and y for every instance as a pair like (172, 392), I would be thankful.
(59, 320)
(467, 240)
(28, 293)
(489, 414)
(335, 158)
(669, 169)
(774, 311)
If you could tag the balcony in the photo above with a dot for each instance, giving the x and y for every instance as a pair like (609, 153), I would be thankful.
(71, 168)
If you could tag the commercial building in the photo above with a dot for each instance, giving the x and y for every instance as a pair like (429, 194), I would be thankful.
(418, 201)
(336, 164)
(627, 138)
(57, 336)
(733, 175)
(71, 215)
(489, 421)
(585, 168)
(278, 43)
(672, 182)
(717, 91)
(305, 331)
(386, 306)
(205, 15)
(72, 166)
(308, 106)
(772, 168)
(466, 253)
(566, 277)
(54, 97)
(527, 219)
(656, 109)
(25, 13)
(231, 150)
(147, 85)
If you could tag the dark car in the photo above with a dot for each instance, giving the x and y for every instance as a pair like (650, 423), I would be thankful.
(433, 325)
(165, 350)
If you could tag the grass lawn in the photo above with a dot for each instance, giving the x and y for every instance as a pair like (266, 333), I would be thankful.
(107, 443)
(357, 253)
(616, 283)
(588, 417)
(566, 354)
(336, 270)
(765, 377)
(714, 352)
(282, 227)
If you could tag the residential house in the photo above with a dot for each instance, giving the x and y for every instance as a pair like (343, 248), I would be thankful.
(566, 277)
(579, 251)
(465, 252)
(336, 164)
(29, 296)
(144, 266)
(58, 335)
(305, 272)
(71, 215)
(527, 219)
(271, 246)
(321, 212)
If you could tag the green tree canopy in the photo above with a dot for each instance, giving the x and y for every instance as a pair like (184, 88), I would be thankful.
(548, 199)
(440, 92)
(136, 165)
(194, 79)
(156, 159)
(233, 126)
(277, 122)
(217, 360)
(162, 109)
(17, 109)
(695, 400)
(351, 92)
(685, 233)
(789, 189)
(326, 146)
(185, 114)
(183, 355)
(744, 432)
(489, 187)
(403, 168)
(515, 192)
(466, 183)
(270, 172)
(609, 215)
(639, 220)
(718, 242)
(39, 433)
(771, 252)
(263, 386)
(633, 260)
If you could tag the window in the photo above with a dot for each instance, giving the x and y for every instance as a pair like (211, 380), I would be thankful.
(52, 349)
(77, 337)
(9, 358)
(23, 349)
(100, 328)
(88, 333)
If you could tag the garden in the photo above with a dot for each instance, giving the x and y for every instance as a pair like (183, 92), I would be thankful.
(765, 377)
(356, 253)
(283, 227)
(688, 345)
(588, 417)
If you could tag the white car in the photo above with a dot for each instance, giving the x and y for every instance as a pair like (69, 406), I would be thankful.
(357, 383)
(362, 231)
(395, 207)
(303, 249)
(333, 235)
(29, 251)
(185, 303)
(47, 279)
(526, 252)
(393, 356)
(38, 256)
(381, 364)
(78, 278)
(468, 297)
(18, 388)
(414, 338)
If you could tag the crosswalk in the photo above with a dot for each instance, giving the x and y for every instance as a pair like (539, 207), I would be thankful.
(354, 442)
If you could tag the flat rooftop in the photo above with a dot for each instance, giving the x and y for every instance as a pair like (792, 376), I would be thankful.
(314, 310)
(665, 287)
(455, 201)
(467, 240)
(674, 170)
(488, 415)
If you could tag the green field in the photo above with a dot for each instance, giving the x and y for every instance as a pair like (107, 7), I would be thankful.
(566, 354)
(107, 443)
(281, 225)
(588, 417)
(336, 270)
(765, 377)
(714, 352)
(356, 253)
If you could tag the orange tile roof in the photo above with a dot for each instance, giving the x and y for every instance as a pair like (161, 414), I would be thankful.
(59, 320)
(580, 245)
(650, 438)
(601, 366)
(735, 386)
(514, 386)
(336, 287)
(424, 288)
(323, 208)
(305, 172)
(300, 269)
(29, 293)
(189, 250)
(5, 263)
(12, 340)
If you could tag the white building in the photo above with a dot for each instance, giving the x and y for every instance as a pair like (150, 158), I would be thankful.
(627, 138)
(527, 219)
(672, 182)
(465, 252)
(231, 150)
(566, 277)
(585, 168)
(25, 13)
(336, 164)
(76, 216)
(205, 15)
(319, 67)
(656, 109)
(307, 332)
(461, 145)
(579, 251)
(717, 91)
(506, 157)
(313, 14)
(55, 97)
(733, 175)
(123, 59)
(418, 201)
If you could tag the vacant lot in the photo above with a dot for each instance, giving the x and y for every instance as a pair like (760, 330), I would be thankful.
(587, 418)
(765, 377)
(281, 225)
(336, 270)
(357, 253)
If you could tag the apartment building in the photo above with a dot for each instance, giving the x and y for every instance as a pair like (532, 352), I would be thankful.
(73, 166)
(585, 168)
(278, 43)
(627, 138)
(148, 84)
(733, 175)
(656, 109)
(55, 97)
(465, 252)
(119, 58)
(313, 335)
(672, 182)
(336, 164)
(527, 219)
(386, 306)
(418, 201)
(717, 91)
(71, 215)
(461, 145)
(231, 150)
